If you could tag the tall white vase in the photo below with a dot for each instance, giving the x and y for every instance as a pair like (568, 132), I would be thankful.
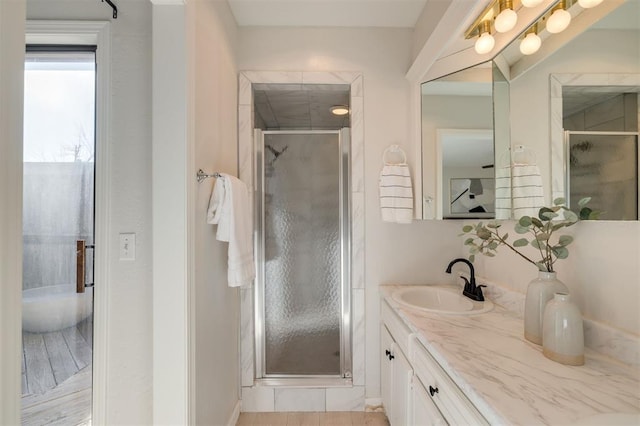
(562, 331)
(539, 292)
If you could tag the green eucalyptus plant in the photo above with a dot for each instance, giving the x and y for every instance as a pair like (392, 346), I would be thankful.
(537, 232)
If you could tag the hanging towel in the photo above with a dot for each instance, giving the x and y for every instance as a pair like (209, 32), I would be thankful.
(396, 193)
(503, 193)
(229, 208)
(526, 192)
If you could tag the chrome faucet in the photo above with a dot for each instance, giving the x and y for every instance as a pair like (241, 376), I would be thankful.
(471, 290)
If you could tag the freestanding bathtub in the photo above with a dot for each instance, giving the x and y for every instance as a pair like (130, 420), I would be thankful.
(54, 308)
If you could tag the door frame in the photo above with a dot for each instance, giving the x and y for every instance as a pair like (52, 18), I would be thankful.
(92, 33)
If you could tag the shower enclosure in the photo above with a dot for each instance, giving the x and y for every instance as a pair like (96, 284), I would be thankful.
(303, 305)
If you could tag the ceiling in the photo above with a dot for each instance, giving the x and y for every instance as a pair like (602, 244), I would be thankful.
(327, 13)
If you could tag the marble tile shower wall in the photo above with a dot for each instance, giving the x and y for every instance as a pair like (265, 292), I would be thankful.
(265, 398)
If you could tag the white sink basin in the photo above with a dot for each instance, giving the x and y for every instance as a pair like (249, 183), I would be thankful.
(442, 300)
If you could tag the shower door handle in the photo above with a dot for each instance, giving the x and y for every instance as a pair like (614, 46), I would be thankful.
(81, 262)
(81, 257)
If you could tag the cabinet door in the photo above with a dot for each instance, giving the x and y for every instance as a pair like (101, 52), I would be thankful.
(401, 385)
(424, 411)
(386, 379)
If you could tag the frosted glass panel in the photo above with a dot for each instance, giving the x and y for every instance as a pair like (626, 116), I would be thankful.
(302, 285)
(605, 167)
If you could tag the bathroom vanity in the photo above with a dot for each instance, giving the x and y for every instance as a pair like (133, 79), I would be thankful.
(478, 369)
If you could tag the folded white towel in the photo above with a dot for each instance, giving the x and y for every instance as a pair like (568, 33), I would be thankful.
(229, 208)
(526, 191)
(396, 193)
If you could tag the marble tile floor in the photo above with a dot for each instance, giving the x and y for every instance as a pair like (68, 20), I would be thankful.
(336, 418)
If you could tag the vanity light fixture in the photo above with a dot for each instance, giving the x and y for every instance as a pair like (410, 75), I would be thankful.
(559, 19)
(339, 110)
(485, 42)
(530, 3)
(507, 18)
(531, 42)
(588, 4)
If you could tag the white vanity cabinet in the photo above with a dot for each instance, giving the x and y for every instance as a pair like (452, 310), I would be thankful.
(396, 370)
(415, 389)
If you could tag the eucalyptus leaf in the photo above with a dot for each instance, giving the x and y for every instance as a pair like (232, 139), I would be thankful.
(472, 258)
(467, 228)
(565, 240)
(570, 216)
(490, 254)
(595, 215)
(584, 213)
(559, 201)
(521, 229)
(548, 215)
(542, 213)
(560, 252)
(521, 242)
(484, 234)
(583, 202)
(493, 245)
(474, 250)
(525, 221)
(537, 222)
(543, 236)
(536, 244)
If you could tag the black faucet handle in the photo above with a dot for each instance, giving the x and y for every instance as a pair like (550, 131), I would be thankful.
(479, 292)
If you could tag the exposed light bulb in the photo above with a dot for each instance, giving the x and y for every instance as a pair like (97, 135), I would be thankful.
(505, 21)
(587, 4)
(558, 21)
(530, 3)
(530, 44)
(485, 42)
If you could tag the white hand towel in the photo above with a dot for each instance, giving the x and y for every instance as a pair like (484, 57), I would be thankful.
(229, 208)
(503, 193)
(526, 190)
(396, 193)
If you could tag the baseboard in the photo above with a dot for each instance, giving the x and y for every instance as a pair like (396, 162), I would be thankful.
(234, 415)
(373, 405)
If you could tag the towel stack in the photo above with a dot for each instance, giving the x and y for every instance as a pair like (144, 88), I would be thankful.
(396, 193)
(229, 208)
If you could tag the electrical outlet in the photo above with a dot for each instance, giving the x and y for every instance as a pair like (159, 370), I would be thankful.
(128, 246)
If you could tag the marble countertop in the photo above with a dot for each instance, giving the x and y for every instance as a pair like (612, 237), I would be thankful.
(509, 380)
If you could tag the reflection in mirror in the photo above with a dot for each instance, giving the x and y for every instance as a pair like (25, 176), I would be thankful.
(601, 50)
(457, 126)
(601, 148)
(468, 187)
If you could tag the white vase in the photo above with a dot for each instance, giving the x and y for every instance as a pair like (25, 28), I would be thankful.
(562, 331)
(539, 292)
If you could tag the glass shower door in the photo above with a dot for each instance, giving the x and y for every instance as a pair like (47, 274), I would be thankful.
(58, 224)
(303, 250)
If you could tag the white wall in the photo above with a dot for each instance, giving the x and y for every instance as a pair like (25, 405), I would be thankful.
(216, 305)
(129, 376)
(416, 253)
(12, 21)
(602, 271)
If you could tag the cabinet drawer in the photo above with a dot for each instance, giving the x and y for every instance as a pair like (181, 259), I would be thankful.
(446, 395)
(396, 326)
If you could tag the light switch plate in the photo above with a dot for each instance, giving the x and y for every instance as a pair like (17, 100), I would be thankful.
(127, 246)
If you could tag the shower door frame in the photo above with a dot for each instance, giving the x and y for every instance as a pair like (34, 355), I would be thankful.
(344, 147)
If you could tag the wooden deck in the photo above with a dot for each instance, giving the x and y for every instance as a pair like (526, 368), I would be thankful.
(56, 376)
